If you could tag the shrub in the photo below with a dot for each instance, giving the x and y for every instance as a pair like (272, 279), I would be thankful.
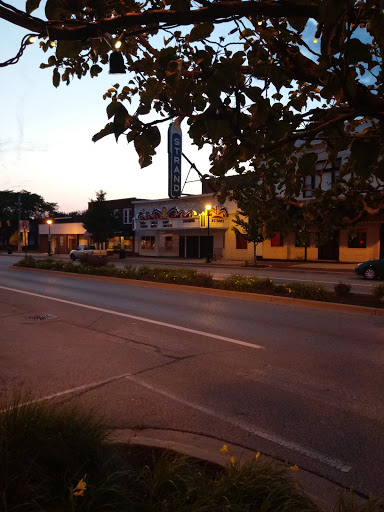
(204, 280)
(27, 261)
(45, 449)
(310, 291)
(129, 272)
(378, 292)
(250, 284)
(93, 259)
(174, 275)
(342, 290)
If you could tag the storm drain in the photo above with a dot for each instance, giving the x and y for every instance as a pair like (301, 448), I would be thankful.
(40, 318)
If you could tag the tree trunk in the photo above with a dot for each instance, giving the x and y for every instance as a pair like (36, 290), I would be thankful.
(254, 255)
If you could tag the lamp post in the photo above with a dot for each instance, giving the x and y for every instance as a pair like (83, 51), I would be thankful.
(49, 222)
(207, 209)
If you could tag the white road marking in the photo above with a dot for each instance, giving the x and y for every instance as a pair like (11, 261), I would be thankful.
(312, 454)
(141, 319)
(308, 452)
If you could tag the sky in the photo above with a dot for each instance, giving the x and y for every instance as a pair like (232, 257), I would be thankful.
(46, 136)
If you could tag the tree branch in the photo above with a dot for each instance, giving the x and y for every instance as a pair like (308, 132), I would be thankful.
(80, 30)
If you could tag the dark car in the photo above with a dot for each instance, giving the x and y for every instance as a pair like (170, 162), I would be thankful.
(370, 269)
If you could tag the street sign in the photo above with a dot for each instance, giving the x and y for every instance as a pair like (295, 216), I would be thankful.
(174, 160)
(24, 225)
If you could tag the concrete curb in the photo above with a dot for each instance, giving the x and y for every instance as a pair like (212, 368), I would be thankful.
(323, 492)
(334, 306)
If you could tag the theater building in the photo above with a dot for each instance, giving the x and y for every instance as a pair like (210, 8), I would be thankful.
(189, 227)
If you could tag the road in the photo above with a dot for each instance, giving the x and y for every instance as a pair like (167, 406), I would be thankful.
(327, 278)
(302, 384)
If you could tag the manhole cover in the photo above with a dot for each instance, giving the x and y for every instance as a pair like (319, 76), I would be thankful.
(40, 318)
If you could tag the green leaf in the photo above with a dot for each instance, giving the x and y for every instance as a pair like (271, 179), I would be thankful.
(32, 5)
(201, 31)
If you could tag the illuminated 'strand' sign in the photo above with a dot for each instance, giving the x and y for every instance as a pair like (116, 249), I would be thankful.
(174, 160)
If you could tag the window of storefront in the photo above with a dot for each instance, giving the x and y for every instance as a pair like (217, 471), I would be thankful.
(241, 243)
(357, 240)
(147, 243)
(277, 240)
(168, 243)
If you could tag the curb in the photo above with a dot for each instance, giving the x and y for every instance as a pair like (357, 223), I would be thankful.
(322, 491)
(346, 308)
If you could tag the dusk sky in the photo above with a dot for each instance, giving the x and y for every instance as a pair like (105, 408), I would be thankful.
(46, 136)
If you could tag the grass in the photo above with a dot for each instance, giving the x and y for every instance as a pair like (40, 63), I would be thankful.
(56, 458)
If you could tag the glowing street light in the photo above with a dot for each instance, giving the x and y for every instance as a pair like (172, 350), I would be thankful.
(207, 209)
(49, 222)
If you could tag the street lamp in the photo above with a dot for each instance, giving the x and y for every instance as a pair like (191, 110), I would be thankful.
(208, 208)
(49, 222)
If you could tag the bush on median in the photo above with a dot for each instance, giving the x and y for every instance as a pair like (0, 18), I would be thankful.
(56, 457)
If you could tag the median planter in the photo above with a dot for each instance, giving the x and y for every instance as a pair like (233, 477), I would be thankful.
(98, 265)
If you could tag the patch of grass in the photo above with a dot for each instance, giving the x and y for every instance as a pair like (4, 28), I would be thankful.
(45, 449)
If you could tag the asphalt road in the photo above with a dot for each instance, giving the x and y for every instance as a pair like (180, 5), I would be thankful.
(302, 384)
(328, 278)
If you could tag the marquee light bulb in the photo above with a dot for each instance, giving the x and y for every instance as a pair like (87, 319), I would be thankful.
(315, 40)
(118, 44)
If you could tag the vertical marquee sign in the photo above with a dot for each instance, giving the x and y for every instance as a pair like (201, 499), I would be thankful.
(174, 160)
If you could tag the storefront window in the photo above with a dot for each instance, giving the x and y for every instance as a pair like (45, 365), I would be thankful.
(147, 243)
(357, 240)
(168, 243)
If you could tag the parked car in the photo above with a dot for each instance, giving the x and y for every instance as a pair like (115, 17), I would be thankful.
(83, 249)
(370, 269)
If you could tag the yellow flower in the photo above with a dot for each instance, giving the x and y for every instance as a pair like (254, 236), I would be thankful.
(224, 449)
(257, 456)
(80, 488)
(294, 468)
(232, 460)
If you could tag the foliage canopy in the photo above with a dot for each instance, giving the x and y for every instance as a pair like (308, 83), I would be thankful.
(99, 219)
(248, 81)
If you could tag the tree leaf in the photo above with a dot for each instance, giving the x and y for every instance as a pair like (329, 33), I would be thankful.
(114, 108)
(201, 31)
(95, 70)
(181, 5)
(56, 78)
(69, 49)
(32, 5)
(109, 129)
